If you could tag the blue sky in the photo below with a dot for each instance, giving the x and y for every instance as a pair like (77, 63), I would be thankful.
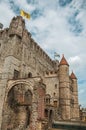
(57, 26)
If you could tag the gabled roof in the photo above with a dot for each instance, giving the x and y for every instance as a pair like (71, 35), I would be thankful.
(63, 61)
(72, 76)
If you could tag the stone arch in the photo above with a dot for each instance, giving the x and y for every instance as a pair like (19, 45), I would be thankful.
(17, 106)
(13, 83)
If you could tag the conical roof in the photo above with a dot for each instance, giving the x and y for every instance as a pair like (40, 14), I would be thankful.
(63, 61)
(72, 76)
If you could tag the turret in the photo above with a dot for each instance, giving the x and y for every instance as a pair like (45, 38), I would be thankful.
(17, 26)
(64, 90)
(75, 96)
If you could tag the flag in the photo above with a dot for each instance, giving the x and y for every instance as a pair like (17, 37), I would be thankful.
(23, 13)
(1, 25)
(56, 54)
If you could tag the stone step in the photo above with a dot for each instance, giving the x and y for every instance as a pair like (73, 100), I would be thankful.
(55, 129)
(52, 129)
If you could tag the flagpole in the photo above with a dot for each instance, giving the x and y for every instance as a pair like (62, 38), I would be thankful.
(56, 55)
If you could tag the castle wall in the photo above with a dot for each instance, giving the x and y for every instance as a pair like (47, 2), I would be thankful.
(22, 58)
(18, 51)
(19, 44)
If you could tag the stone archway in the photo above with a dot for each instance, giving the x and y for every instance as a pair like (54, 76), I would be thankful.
(17, 108)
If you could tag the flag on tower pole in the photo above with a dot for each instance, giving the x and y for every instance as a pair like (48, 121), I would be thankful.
(24, 14)
(1, 25)
(56, 55)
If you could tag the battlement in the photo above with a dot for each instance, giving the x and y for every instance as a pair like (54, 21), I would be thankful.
(17, 27)
(26, 38)
(51, 73)
(4, 32)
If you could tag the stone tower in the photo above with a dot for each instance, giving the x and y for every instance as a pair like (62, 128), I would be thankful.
(64, 91)
(17, 26)
(10, 53)
(75, 97)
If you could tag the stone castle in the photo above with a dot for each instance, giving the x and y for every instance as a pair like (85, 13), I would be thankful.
(34, 89)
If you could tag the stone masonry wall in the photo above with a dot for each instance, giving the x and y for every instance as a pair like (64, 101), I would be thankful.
(21, 54)
(18, 51)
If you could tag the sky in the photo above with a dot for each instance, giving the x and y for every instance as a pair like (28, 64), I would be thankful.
(57, 26)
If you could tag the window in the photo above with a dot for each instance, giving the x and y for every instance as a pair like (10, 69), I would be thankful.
(47, 99)
(47, 72)
(29, 75)
(46, 113)
(54, 94)
(72, 102)
(55, 86)
(55, 103)
(16, 74)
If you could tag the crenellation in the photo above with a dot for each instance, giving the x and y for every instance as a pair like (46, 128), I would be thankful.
(40, 50)
(51, 73)
(1, 32)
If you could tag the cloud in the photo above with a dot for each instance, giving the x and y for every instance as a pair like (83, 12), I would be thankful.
(6, 13)
(75, 61)
(57, 26)
(23, 4)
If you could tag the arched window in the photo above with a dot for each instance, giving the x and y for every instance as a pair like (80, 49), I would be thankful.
(29, 75)
(47, 100)
(55, 103)
(16, 74)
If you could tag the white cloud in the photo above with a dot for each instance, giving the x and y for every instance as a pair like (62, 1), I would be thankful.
(75, 60)
(24, 5)
(6, 13)
(53, 30)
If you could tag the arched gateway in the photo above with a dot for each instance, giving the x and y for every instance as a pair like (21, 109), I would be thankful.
(20, 105)
(17, 106)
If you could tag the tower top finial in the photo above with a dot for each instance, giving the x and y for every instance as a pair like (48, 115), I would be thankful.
(62, 55)
(63, 61)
